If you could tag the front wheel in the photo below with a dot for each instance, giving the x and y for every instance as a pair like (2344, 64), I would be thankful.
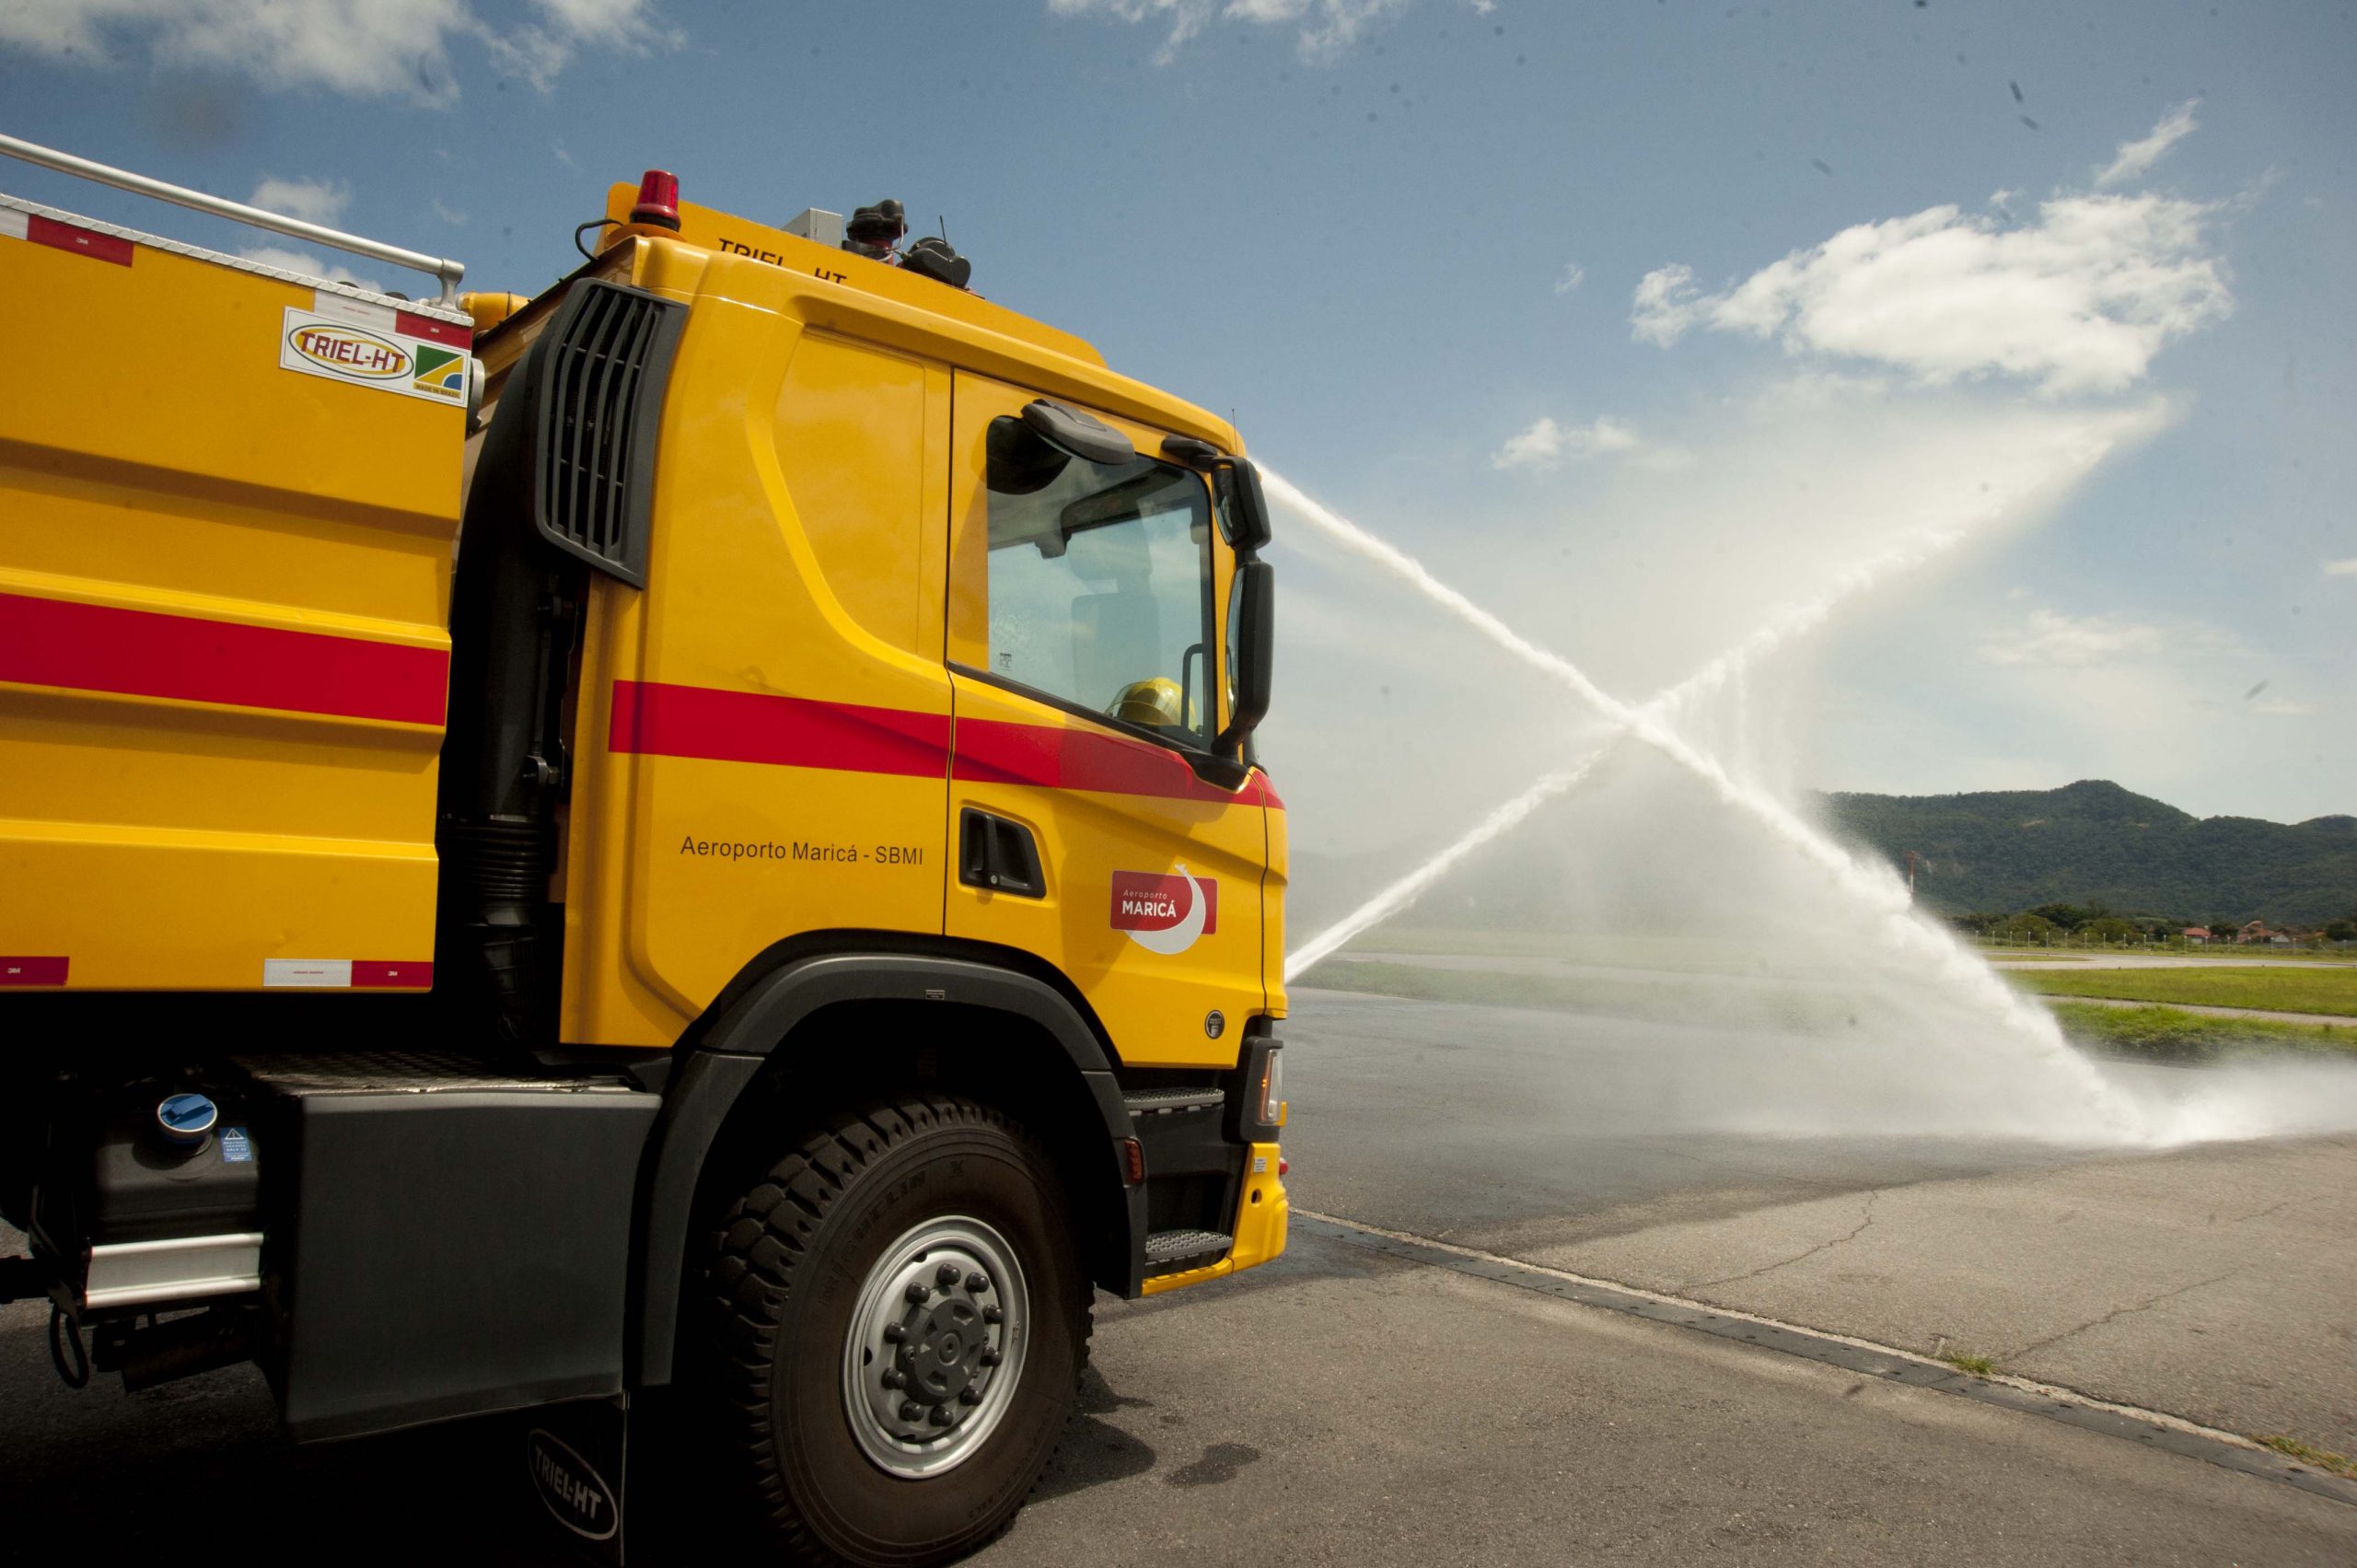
(899, 1319)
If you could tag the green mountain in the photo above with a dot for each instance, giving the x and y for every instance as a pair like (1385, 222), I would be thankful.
(2095, 842)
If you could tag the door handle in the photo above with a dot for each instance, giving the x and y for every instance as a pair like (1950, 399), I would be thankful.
(998, 854)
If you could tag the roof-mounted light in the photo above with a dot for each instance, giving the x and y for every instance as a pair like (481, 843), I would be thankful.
(658, 199)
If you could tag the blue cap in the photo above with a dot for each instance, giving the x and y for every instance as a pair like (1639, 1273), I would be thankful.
(186, 1119)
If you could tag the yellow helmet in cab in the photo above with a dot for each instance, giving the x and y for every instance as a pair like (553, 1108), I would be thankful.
(1157, 704)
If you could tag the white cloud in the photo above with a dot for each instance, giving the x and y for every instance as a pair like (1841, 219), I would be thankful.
(1574, 275)
(1325, 28)
(313, 200)
(447, 213)
(2049, 639)
(2138, 155)
(1546, 444)
(365, 47)
(309, 265)
(2341, 568)
(2079, 301)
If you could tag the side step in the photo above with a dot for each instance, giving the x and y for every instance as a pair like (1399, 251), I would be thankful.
(1166, 1249)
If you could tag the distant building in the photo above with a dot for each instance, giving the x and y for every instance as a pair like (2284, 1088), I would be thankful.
(2254, 932)
(2197, 933)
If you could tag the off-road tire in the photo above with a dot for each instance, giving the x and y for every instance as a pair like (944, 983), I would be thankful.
(784, 1267)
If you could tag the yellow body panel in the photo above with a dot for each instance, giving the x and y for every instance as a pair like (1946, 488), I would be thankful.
(726, 234)
(799, 569)
(768, 616)
(222, 638)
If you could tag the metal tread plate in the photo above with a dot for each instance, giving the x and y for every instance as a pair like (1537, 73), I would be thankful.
(1173, 1245)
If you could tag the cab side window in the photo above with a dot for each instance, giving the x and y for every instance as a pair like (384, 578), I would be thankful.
(1099, 584)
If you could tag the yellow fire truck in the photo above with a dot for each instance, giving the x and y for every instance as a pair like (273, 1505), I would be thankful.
(685, 845)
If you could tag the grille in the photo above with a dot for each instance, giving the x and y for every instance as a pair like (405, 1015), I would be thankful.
(600, 396)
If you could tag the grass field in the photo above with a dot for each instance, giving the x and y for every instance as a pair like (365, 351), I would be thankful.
(2150, 1033)
(2164, 1034)
(2284, 989)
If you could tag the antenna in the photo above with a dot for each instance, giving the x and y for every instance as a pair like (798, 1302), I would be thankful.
(942, 223)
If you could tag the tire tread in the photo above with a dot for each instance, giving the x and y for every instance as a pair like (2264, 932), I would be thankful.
(762, 1239)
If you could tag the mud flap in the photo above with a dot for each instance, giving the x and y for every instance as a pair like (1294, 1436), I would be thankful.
(577, 1460)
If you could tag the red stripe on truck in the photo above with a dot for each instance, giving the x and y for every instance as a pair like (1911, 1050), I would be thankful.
(141, 653)
(656, 719)
(997, 752)
(81, 241)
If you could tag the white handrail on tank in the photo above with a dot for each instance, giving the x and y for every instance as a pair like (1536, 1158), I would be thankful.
(447, 271)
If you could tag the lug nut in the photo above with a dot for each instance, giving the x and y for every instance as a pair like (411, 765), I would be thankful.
(992, 1314)
(977, 1282)
(939, 1416)
(892, 1378)
(920, 1292)
(969, 1395)
(990, 1357)
(911, 1410)
(946, 1275)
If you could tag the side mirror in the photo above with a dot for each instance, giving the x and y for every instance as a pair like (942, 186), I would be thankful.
(1254, 642)
(1082, 435)
(1246, 510)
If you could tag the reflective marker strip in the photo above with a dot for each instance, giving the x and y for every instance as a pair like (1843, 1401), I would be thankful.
(80, 241)
(375, 974)
(359, 312)
(386, 319)
(12, 223)
(348, 974)
(447, 333)
(32, 970)
(332, 972)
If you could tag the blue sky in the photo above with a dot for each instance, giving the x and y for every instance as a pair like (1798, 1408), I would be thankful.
(1639, 319)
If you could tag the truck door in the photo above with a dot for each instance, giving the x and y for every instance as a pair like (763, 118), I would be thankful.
(1089, 822)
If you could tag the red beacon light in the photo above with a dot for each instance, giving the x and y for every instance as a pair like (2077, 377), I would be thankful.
(658, 200)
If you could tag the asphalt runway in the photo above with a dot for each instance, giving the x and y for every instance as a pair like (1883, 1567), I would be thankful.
(1341, 1406)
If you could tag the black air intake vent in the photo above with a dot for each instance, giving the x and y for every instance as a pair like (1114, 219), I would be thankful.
(603, 364)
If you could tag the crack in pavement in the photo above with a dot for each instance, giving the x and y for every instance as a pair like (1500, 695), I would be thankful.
(2275, 1208)
(2114, 1313)
(1865, 1218)
(2011, 1391)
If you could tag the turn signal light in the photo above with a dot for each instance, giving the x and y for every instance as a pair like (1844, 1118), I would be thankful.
(658, 199)
(1273, 1090)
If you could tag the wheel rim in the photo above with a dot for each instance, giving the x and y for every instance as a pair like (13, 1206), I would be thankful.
(935, 1347)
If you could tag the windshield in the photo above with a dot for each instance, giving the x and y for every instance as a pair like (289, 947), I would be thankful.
(1101, 583)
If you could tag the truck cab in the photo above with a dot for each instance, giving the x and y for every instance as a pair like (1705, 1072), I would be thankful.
(693, 838)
